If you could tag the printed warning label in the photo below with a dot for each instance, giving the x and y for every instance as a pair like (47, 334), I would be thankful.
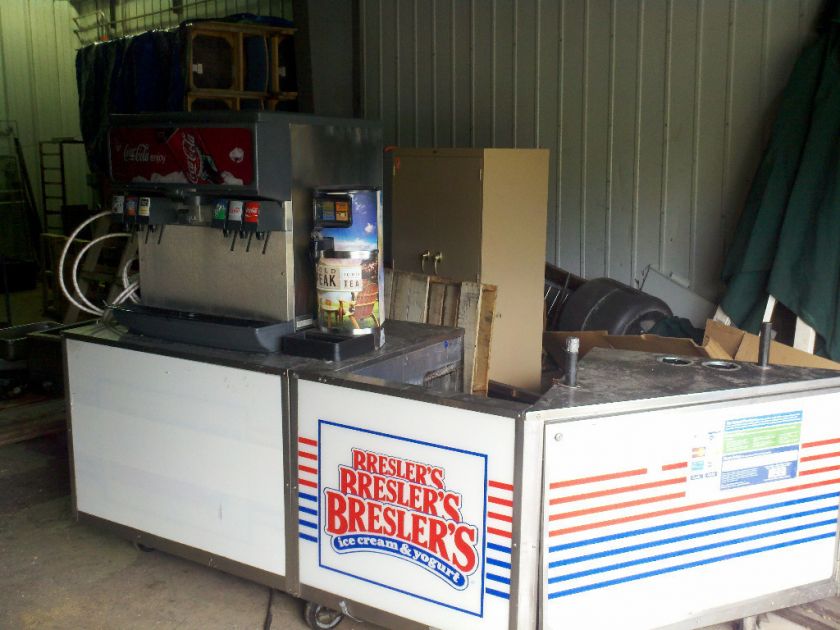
(760, 449)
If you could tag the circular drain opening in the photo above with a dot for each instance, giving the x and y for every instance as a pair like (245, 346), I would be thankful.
(675, 361)
(724, 366)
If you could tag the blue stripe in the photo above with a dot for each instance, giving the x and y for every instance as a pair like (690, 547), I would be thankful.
(689, 565)
(308, 497)
(498, 578)
(492, 591)
(308, 524)
(496, 547)
(498, 563)
(308, 510)
(689, 550)
(700, 534)
(308, 537)
(693, 521)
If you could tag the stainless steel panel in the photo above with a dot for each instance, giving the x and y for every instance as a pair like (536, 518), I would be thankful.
(193, 269)
(424, 366)
(326, 155)
(527, 522)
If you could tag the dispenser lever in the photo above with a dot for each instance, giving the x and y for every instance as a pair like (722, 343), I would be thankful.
(424, 256)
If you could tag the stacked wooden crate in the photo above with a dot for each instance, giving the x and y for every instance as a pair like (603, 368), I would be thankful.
(218, 73)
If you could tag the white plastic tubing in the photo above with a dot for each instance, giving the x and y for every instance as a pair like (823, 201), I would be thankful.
(83, 304)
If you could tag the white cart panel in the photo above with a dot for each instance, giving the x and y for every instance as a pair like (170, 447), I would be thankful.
(188, 451)
(688, 509)
(406, 506)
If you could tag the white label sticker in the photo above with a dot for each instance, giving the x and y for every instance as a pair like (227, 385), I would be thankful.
(235, 211)
(333, 278)
(145, 207)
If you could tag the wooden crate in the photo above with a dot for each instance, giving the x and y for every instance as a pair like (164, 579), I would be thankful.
(415, 297)
(233, 94)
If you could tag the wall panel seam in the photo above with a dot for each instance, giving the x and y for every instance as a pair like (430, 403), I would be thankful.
(666, 139)
(610, 142)
(585, 132)
(695, 142)
(640, 33)
(558, 129)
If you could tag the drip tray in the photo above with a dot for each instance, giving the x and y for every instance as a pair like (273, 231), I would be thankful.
(329, 347)
(227, 333)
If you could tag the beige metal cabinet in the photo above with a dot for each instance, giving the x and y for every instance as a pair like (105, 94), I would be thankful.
(472, 214)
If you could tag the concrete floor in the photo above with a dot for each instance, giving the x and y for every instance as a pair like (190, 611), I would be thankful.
(55, 573)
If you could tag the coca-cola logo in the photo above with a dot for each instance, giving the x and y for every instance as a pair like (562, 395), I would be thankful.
(141, 153)
(192, 156)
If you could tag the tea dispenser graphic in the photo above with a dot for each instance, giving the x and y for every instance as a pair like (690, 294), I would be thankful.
(346, 246)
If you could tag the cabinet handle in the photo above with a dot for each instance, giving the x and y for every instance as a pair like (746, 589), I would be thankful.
(437, 259)
(424, 256)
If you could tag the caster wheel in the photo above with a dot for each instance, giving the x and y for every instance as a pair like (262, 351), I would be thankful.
(141, 547)
(320, 617)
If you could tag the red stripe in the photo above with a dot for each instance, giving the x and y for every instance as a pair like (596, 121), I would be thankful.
(500, 517)
(811, 458)
(815, 471)
(500, 485)
(499, 532)
(307, 469)
(676, 466)
(617, 506)
(499, 501)
(303, 440)
(686, 508)
(820, 443)
(618, 475)
(306, 482)
(603, 493)
(306, 455)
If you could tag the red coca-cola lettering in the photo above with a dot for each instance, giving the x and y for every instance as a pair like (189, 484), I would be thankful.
(141, 153)
(252, 212)
(192, 157)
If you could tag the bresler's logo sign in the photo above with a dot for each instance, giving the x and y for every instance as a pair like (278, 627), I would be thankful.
(403, 508)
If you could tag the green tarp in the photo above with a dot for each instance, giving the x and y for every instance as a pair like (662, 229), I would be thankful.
(787, 243)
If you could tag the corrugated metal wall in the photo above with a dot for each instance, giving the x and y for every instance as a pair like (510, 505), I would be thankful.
(655, 111)
(38, 84)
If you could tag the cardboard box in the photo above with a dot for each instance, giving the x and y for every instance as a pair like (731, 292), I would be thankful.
(719, 342)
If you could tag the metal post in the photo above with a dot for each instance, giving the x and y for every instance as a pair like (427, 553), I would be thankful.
(749, 623)
(6, 291)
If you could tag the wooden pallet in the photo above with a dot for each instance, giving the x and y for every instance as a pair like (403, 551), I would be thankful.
(414, 297)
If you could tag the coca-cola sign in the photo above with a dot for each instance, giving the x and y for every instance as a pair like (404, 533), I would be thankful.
(141, 153)
(194, 155)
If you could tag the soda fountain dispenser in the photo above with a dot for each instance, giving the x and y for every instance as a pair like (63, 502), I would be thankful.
(229, 197)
